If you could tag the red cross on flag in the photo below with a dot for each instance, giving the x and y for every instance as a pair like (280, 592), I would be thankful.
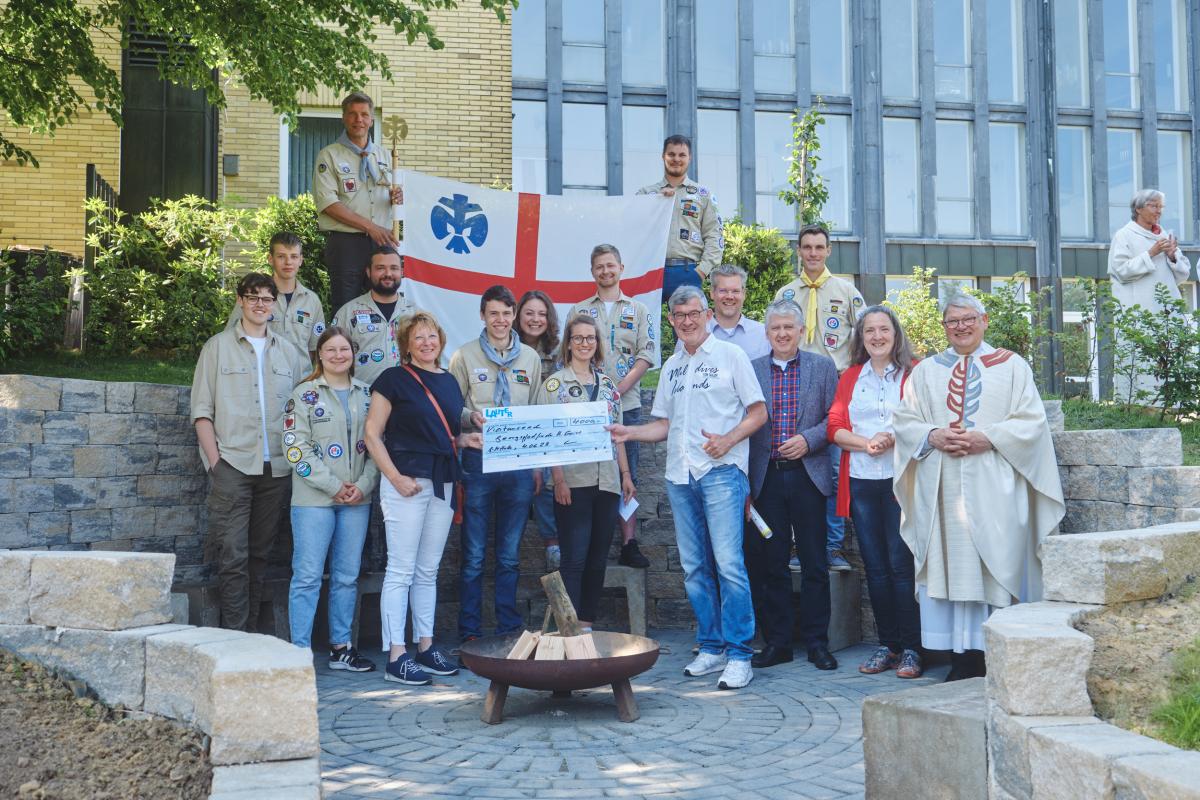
(460, 239)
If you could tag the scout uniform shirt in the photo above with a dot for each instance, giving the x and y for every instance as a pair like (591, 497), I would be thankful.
(477, 375)
(564, 386)
(323, 447)
(838, 307)
(628, 335)
(301, 320)
(225, 390)
(336, 179)
(373, 336)
(696, 234)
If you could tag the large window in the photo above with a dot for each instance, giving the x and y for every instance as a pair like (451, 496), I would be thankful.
(529, 40)
(829, 47)
(529, 146)
(955, 179)
(1170, 55)
(1007, 181)
(898, 21)
(1175, 180)
(643, 42)
(1124, 174)
(834, 167)
(901, 177)
(774, 46)
(772, 148)
(717, 157)
(1074, 183)
(717, 39)
(642, 132)
(1120, 54)
(952, 49)
(1070, 53)
(584, 149)
(1005, 52)
(583, 43)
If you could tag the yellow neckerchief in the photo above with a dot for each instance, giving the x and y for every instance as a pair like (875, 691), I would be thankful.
(810, 313)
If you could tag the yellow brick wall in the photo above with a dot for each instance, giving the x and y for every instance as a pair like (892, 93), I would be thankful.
(457, 101)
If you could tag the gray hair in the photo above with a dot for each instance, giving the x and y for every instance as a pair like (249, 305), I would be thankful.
(728, 271)
(784, 308)
(604, 250)
(1141, 198)
(960, 299)
(683, 294)
(355, 98)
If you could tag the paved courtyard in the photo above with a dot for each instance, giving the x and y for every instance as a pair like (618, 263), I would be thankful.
(794, 732)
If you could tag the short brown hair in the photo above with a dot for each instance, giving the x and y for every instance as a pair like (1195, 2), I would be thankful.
(815, 229)
(564, 353)
(330, 332)
(404, 332)
(354, 98)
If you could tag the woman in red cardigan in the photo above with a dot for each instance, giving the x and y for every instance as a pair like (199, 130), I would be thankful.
(860, 422)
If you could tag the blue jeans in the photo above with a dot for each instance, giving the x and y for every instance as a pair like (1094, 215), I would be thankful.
(314, 530)
(509, 494)
(708, 529)
(887, 561)
(835, 526)
(632, 453)
(676, 275)
(543, 510)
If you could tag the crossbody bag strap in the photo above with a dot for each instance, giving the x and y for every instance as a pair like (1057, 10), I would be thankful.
(436, 407)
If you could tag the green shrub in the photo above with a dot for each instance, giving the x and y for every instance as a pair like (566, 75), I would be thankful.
(160, 282)
(918, 313)
(36, 300)
(298, 215)
(1164, 345)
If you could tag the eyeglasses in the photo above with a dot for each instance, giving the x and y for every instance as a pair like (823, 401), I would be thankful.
(690, 316)
(964, 322)
(583, 340)
(258, 300)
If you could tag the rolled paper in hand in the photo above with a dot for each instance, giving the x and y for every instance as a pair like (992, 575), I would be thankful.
(760, 523)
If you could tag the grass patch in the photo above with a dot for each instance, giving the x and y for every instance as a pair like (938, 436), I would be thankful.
(147, 368)
(1080, 414)
(1179, 717)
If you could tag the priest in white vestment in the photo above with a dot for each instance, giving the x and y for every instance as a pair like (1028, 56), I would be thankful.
(977, 482)
(1142, 256)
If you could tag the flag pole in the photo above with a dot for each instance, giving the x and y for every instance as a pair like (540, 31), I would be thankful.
(395, 128)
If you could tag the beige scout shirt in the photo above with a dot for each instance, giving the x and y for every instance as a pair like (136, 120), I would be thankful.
(225, 390)
(374, 337)
(336, 180)
(628, 336)
(477, 375)
(301, 321)
(838, 307)
(323, 447)
(564, 386)
(696, 228)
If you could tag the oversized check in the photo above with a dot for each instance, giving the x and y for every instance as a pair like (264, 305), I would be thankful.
(522, 437)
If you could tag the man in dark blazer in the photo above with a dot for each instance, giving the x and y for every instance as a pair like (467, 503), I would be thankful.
(789, 483)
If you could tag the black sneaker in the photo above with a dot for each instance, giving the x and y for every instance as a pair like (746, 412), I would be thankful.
(435, 662)
(631, 556)
(405, 670)
(349, 659)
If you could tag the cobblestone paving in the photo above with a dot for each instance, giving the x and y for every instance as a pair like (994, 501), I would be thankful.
(794, 732)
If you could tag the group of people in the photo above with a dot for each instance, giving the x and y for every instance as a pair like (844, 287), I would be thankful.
(815, 414)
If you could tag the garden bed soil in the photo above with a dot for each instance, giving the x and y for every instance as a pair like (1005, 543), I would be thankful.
(56, 744)
(1134, 658)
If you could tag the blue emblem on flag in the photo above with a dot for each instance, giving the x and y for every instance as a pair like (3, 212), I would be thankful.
(458, 219)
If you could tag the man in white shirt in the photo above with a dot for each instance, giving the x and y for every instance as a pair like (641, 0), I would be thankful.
(707, 404)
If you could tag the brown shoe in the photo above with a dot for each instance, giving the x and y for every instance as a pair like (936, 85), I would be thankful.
(881, 660)
(910, 665)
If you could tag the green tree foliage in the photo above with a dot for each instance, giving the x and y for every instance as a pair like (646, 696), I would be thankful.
(1164, 346)
(36, 302)
(51, 73)
(918, 313)
(808, 193)
(298, 215)
(766, 255)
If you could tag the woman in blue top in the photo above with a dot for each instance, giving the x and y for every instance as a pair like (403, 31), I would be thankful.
(413, 434)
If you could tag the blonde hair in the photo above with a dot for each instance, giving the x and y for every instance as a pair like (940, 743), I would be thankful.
(405, 328)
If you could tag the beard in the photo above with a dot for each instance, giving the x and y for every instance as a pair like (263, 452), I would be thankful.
(385, 287)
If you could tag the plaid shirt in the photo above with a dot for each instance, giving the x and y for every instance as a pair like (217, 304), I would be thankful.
(785, 402)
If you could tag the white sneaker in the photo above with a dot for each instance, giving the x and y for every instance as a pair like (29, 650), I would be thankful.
(736, 675)
(704, 664)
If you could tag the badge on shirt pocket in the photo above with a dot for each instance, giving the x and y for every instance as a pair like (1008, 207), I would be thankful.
(480, 374)
(349, 185)
(520, 376)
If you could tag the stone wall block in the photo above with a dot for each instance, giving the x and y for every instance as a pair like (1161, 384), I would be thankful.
(156, 398)
(51, 461)
(6, 496)
(119, 492)
(32, 494)
(143, 428)
(1038, 663)
(118, 397)
(30, 391)
(179, 460)
(301, 776)
(183, 406)
(1119, 566)
(21, 425)
(135, 459)
(1145, 447)
(93, 525)
(1082, 482)
(1177, 487)
(14, 587)
(71, 494)
(14, 530)
(1158, 777)
(81, 395)
(98, 590)
(927, 742)
(65, 427)
(15, 460)
(1008, 748)
(171, 490)
(109, 428)
(1075, 761)
(94, 461)
(1054, 414)
(48, 528)
(176, 430)
(136, 522)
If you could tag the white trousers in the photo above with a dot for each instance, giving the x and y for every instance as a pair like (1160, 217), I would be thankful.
(417, 528)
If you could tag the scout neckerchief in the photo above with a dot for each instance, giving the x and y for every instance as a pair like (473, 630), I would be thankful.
(366, 163)
(501, 396)
(810, 313)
